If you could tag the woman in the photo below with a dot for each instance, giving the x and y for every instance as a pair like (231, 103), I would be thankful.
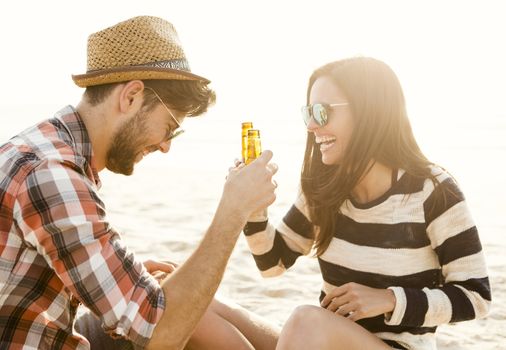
(398, 250)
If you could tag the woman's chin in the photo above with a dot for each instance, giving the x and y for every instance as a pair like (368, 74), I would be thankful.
(329, 160)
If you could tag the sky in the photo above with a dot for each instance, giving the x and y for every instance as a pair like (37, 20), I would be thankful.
(449, 55)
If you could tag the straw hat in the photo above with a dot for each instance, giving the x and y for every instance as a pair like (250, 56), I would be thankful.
(139, 48)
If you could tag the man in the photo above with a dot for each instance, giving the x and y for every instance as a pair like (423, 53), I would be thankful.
(57, 249)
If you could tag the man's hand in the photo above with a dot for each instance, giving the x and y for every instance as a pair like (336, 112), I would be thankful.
(159, 269)
(251, 188)
(357, 301)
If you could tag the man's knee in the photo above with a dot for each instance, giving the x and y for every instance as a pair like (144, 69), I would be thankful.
(90, 327)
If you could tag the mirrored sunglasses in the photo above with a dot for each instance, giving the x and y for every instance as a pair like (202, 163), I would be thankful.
(319, 112)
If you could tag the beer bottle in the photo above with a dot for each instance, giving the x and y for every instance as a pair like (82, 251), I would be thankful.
(254, 145)
(246, 126)
(253, 152)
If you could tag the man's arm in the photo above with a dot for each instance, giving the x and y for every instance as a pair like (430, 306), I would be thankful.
(190, 289)
(59, 213)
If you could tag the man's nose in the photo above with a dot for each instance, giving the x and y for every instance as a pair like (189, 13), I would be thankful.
(164, 146)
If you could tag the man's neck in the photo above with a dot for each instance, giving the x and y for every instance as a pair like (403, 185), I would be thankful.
(99, 130)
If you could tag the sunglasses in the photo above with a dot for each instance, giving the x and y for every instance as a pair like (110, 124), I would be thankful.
(173, 133)
(318, 112)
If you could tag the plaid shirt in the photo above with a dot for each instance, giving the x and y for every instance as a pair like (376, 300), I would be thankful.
(58, 250)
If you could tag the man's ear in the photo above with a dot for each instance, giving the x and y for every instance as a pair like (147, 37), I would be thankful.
(131, 96)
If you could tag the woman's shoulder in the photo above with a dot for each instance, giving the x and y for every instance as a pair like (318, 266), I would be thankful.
(441, 179)
(442, 192)
(440, 173)
(436, 182)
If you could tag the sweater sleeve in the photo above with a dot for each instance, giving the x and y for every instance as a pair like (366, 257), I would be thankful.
(276, 249)
(464, 292)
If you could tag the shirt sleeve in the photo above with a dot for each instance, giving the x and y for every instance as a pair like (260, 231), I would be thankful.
(63, 218)
(276, 249)
(464, 293)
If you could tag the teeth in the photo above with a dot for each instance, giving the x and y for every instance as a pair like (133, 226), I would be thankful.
(321, 139)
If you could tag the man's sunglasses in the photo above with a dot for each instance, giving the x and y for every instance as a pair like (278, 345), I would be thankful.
(319, 112)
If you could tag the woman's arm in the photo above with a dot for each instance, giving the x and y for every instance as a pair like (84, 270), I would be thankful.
(276, 249)
(465, 290)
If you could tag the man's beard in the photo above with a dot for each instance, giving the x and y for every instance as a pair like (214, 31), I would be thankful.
(127, 142)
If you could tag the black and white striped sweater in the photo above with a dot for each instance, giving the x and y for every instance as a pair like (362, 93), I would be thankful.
(425, 249)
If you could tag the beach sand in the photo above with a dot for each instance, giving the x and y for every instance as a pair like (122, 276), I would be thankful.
(163, 213)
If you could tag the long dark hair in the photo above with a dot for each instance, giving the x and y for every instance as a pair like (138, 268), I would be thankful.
(381, 133)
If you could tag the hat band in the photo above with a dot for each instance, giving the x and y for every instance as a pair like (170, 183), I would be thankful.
(176, 64)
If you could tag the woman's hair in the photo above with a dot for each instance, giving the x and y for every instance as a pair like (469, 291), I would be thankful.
(381, 133)
(188, 96)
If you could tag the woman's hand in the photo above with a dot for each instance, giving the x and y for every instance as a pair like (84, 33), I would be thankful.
(357, 301)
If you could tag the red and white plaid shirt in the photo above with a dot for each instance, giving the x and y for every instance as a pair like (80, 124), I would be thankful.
(58, 249)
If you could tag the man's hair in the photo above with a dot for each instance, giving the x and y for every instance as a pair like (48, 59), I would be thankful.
(189, 96)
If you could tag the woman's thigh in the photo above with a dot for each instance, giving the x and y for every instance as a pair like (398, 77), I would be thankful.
(312, 327)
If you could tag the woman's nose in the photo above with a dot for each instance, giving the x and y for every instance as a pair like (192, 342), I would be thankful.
(312, 125)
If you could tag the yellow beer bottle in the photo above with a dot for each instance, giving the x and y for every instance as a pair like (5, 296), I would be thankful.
(254, 151)
(246, 126)
(254, 145)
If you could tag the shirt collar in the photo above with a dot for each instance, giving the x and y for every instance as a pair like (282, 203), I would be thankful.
(76, 128)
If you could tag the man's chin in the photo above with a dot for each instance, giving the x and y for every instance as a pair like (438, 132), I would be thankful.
(123, 169)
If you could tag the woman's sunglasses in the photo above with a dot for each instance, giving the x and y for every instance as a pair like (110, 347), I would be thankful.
(318, 112)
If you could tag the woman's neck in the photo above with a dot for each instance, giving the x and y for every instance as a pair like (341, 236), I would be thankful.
(374, 184)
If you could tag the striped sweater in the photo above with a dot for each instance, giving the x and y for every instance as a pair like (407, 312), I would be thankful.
(425, 249)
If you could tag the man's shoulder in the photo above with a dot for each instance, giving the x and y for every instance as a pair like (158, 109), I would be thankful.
(42, 146)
